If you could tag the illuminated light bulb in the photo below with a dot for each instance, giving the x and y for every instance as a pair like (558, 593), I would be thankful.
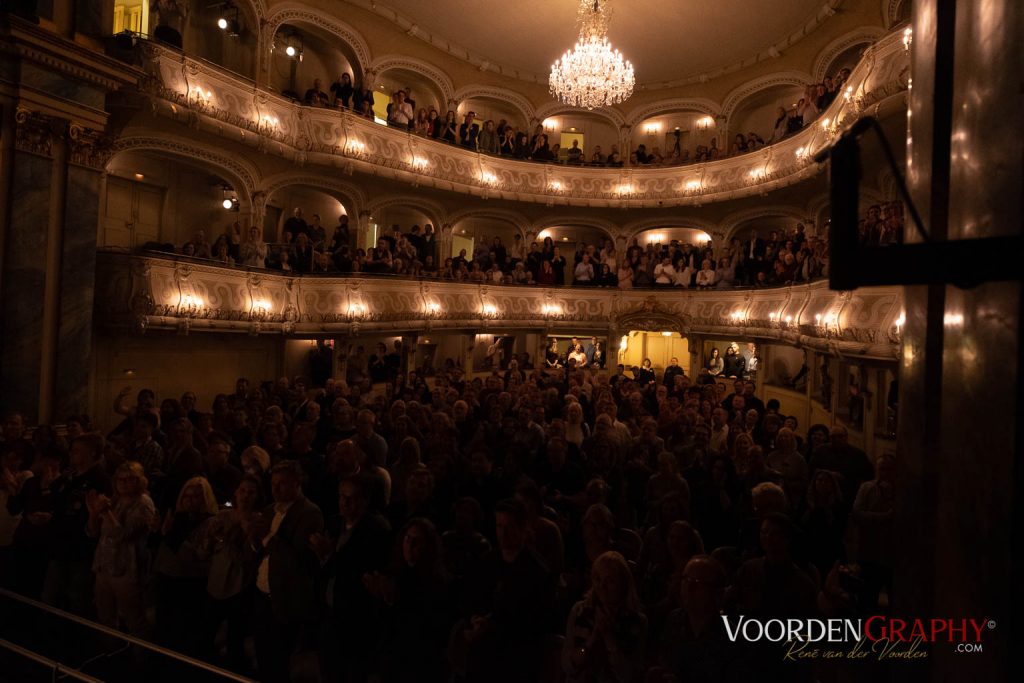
(789, 319)
(433, 307)
(693, 185)
(817, 318)
(222, 24)
(226, 203)
(666, 334)
(555, 185)
(290, 51)
(801, 152)
(490, 309)
(824, 124)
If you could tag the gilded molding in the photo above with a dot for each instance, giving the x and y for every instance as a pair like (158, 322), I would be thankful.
(212, 100)
(152, 292)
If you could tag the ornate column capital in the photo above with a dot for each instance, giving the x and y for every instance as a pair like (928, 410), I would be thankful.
(36, 132)
(88, 147)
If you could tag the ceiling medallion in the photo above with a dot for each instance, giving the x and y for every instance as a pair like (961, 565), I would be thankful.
(592, 74)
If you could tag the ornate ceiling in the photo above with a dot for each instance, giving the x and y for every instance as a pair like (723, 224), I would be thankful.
(666, 41)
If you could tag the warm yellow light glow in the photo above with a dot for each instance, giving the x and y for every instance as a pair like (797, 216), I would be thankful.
(824, 124)
(433, 307)
(693, 186)
(356, 309)
(261, 305)
(419, 163)
(488, 177)
(190, 301)
(139, 176)
(489, 309)
(624, 188)
(666, 333)
(556, 185)
(652, 128)
(551, 309)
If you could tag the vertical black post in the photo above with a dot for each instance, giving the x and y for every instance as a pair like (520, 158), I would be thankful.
(844, 240)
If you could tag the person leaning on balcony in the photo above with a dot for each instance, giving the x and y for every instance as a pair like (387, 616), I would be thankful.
(664, 273)
(584, 273)
(469, 131)
(487, 141)
(253, 252)
(716, 365)
(315, 96)
(342, 90)
(706, 276)
(625, 276)
(400, 112)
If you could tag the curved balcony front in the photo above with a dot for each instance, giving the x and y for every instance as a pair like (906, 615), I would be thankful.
(209, 98)
(166, 293)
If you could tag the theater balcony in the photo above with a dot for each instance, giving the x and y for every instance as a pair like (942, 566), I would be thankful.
(144, 293)
(205, 97)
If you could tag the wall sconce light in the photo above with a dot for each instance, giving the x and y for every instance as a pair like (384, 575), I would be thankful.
(419, 163)
(824, 123)
(556, 186)
(551, 309)
(693, 186)
(190, 306)
(432, 308)
(356, 310)
(908, 37)
(705, 123)
(624, 188)
(652, 128)
(666, 333)
(488, 178)
(489, 310)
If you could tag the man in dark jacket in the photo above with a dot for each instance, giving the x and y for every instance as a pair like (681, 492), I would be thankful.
(354, 551)
(69, 577)
(285, 603)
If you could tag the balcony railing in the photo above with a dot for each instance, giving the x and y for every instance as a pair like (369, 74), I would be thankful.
(211, 98)
(155, 292)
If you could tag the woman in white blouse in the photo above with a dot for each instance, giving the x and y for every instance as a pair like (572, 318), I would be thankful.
(706, 276)
(253, 252)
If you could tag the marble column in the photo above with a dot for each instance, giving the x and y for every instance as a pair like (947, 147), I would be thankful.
(49, 268)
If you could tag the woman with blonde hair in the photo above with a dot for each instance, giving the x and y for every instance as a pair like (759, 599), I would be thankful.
(576, 429)
(607, 632)
(253, 251)
(122, 526)
(182, 566)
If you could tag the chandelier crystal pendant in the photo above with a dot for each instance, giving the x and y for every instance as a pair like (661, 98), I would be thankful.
(592, 74)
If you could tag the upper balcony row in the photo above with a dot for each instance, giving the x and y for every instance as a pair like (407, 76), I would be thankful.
(211, 98)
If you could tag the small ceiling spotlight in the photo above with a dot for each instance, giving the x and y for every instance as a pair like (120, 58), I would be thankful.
(229, 199)
(228, 20)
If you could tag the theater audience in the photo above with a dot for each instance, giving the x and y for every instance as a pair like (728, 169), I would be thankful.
(473, 522)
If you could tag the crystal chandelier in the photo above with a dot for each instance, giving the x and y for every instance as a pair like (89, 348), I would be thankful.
(592, 74)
